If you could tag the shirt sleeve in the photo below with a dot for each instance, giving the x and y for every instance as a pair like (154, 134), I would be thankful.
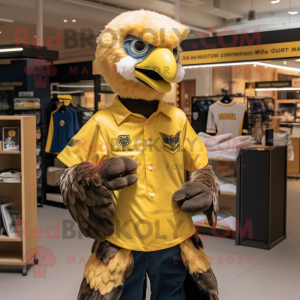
(245, 123)
(211, 125)
(87, 145)
(194, 151)
(75, 115)
(50, 134)
(71, 124)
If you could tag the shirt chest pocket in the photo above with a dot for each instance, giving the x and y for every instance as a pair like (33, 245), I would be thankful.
(170, 142)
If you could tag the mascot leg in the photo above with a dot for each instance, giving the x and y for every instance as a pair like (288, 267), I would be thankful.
(105, 272)
(198, 266)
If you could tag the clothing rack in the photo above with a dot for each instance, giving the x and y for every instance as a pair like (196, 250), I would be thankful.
(50, 156)
(259, 115)
(195, 98)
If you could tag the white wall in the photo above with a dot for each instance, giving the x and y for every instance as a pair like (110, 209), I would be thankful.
(203, 77)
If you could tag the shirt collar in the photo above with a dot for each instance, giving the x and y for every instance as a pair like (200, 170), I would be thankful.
(120, 112)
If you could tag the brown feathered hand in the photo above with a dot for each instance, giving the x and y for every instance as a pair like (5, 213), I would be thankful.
(85, 188)
(201, 194)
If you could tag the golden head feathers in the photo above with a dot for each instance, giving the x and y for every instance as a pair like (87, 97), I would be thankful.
(119, 68)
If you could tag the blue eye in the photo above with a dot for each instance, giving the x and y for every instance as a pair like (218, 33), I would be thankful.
(138, 47)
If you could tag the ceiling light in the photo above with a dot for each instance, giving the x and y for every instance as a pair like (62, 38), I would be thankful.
(65, 21)
(266, 67)
(284, 62)
(254, 65)
(218, 65)
(11, 49)
(279, 89)
(275, 1)
(298, 59)
(6, 20)
(73, 20)
(293, 12)
(243, 63)
(0, 32)
(278, 67)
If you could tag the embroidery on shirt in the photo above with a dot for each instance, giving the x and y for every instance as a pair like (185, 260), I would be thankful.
(73, 143)
(170, 142)
(124, 140)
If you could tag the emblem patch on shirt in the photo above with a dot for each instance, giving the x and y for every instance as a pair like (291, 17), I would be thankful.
(124, 140)
(170, 142)
(73, 143)
(61, 123)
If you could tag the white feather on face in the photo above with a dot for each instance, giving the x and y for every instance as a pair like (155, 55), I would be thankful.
(180, 73)
(125, 67)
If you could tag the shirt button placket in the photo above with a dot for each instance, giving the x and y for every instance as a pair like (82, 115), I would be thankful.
(148, 163)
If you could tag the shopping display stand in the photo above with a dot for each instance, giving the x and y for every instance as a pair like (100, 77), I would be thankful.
(21, 249)
(226, 198)
(40, 153)
(262, 196)
(219, 231)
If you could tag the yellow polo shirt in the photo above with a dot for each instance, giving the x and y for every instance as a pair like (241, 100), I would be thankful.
(164, 145)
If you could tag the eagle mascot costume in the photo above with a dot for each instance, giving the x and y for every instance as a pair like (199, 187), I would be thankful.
(125, 185)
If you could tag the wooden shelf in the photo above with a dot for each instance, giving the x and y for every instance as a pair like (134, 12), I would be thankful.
(227, 193)
(222, 159)
(4, 238)
(23, 195)
(11, 258)
(11, 152)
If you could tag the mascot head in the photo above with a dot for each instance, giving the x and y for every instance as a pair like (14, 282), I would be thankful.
(138, 54)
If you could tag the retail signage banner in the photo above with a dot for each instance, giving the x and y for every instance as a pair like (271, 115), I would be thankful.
(296, 82)
(243, 53)
(273, 84)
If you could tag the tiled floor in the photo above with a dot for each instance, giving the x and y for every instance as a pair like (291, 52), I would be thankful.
(243, 273)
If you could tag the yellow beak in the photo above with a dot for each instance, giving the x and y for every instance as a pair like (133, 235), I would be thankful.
(158, 70)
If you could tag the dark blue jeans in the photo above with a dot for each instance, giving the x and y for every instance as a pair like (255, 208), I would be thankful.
(165, 270)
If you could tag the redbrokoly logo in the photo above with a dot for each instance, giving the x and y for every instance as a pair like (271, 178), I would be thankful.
(41, 69)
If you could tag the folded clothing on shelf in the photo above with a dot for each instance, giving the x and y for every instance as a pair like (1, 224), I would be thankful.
(53, 175)
(229, 223)
(224, 180)
(228, 188)
(225, 146)
(282, 139)
(10, 176)
(227, 185)
(54, 197)
(224, 220)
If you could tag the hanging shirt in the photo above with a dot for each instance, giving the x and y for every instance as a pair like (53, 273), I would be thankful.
(226, 118)
(199, 115)
(146, 219)
(75, 115)
(61, 130)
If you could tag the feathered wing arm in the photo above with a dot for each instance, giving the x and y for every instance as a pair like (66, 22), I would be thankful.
(85, 188)
(200, 194)
(86, 192)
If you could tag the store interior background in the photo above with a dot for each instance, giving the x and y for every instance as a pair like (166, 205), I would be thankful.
(242, 272)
